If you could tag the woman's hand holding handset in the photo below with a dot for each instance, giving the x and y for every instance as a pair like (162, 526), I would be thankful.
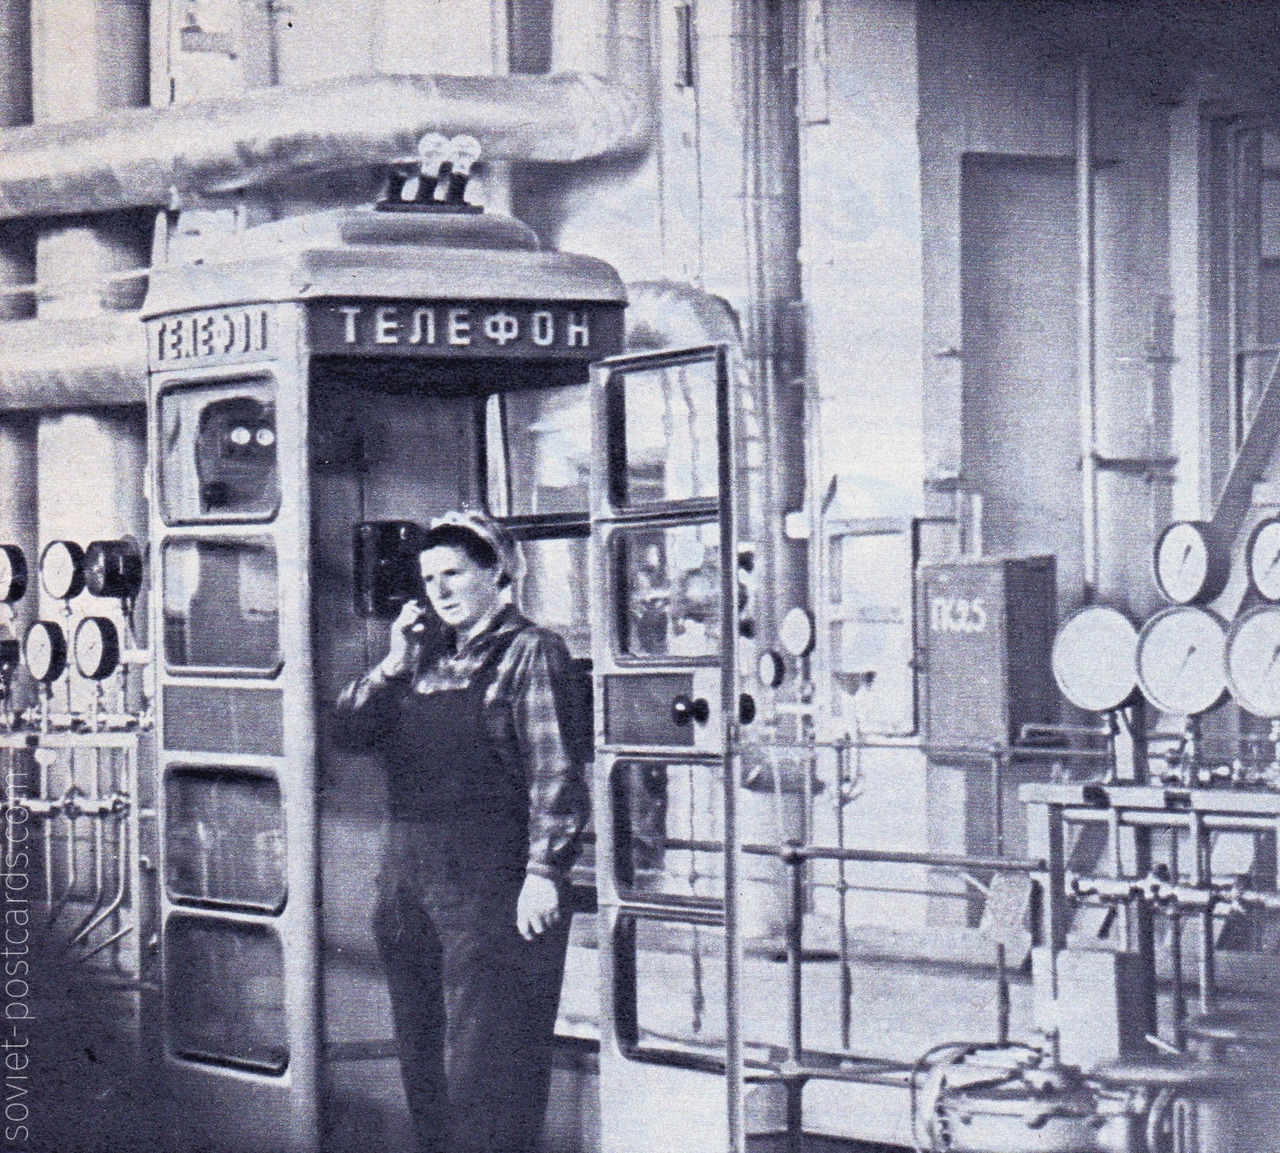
(408, 633)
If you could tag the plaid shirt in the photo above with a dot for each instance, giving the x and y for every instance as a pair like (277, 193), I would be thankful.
(535, 677)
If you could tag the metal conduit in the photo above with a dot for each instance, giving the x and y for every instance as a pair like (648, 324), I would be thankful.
(88, 362)
(138, 157)
(1088, 324)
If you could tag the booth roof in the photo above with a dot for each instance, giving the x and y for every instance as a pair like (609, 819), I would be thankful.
(363, 253)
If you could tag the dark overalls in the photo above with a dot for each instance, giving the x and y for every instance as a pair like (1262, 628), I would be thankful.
(474, 1003)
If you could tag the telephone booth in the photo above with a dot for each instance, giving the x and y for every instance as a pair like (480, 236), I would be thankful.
(315, 396)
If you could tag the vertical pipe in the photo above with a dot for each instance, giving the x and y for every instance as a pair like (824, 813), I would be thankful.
(17, 267)
(1143, 929)
(771, 227)
(1138, 737)
(1088, 315)
(1054, 932)
(795, 995)
(1202, 875)
(997, 797)
(842, 887)
(726, 440)
(1003, 1007)
(1177, 995)
(86, 58)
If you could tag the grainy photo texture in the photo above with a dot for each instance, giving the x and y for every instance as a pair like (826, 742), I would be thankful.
(631, 576)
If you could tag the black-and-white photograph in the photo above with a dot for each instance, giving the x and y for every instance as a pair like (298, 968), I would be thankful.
(636, 576)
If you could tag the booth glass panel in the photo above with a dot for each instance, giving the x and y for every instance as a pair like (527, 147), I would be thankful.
(225, 838)
(555, 592)
(221, 604)
(668, 581)
(668, 828)
(218, 452)
(538, 447)
(669, 436)
(224, 989)
(679, 990)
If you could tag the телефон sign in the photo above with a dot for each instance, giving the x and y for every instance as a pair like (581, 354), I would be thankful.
(465, 329)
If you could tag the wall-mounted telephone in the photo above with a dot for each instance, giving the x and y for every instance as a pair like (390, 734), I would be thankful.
(385, 554)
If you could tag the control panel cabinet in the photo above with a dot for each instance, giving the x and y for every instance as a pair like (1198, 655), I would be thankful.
(987, 635)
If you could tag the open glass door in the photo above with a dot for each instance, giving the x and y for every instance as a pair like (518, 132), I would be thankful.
(666, 554)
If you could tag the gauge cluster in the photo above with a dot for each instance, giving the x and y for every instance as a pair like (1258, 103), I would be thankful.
(1186, 659)
(88, 643)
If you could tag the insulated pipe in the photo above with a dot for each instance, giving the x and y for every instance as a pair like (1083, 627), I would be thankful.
(771, 232)
(52, 364)
(672, 314)
(95, 362)
(153, 156)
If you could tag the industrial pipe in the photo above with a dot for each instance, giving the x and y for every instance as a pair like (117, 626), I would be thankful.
(153, 156)
(1088, 325)
(82, 362)
(672, 314)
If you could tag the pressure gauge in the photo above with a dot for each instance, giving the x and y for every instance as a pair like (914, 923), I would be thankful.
(97, 648)
(1263, 556)
(1095, 658)
(62, 569)
(1189, 564)
(1253, 661)
(1181, 660)
(113, 568)
(771, 669)
(13, 573)
(46, 651)
(796, 632)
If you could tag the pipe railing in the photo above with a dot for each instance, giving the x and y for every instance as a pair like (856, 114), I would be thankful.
(798, 1066)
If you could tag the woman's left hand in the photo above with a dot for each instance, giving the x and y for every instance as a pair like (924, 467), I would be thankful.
(538, 907)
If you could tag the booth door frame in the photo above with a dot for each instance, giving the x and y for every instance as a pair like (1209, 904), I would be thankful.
(638, 1083)
(232, 1107)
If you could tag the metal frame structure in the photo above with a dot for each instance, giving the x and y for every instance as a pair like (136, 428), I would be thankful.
(713, 724)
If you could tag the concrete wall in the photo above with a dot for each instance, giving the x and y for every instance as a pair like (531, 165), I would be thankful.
(991, 88)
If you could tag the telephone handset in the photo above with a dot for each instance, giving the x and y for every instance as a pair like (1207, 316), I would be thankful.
(385, 567)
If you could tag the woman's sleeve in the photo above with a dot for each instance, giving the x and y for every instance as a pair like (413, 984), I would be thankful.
(364, 711)
(545, 713)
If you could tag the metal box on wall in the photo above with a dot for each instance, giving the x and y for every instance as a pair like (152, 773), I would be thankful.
(986, 635)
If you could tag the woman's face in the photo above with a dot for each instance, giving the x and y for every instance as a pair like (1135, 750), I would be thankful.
(461, 591)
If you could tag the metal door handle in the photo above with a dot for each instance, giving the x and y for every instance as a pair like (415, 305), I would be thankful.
(684, 710)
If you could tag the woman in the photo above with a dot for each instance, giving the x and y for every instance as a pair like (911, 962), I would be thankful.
(487, 802)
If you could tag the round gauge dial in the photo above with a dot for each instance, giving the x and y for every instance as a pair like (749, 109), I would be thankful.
(62, 569)
(97, 648)
(771, 669)
(46, 651)
(1182, 660)
(1095, 658)
(1263, 555)
(13, 573)
(1253, 660)
(113, 568)
(796, 632)
(1189, 564)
